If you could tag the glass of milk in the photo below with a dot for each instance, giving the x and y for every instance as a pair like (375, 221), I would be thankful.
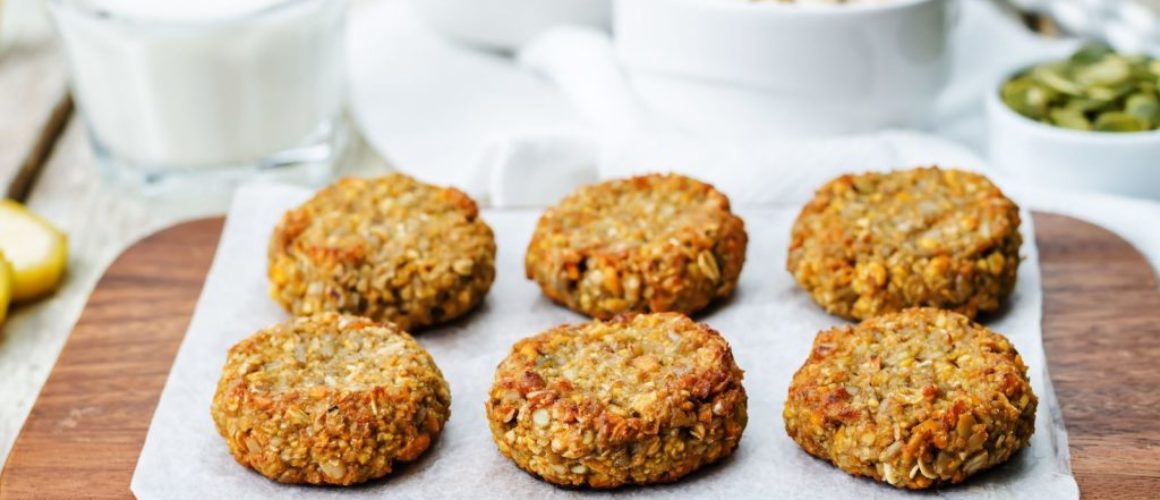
(207, 89)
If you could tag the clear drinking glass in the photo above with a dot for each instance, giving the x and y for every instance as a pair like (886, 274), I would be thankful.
(207, 92)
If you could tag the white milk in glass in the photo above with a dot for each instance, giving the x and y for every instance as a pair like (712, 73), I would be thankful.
(183, 85)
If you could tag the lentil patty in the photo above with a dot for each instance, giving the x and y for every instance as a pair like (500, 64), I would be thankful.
(329, 399)
(636, 400)
(391, 249)
(916, 399)
(657, 243)
(881, 242)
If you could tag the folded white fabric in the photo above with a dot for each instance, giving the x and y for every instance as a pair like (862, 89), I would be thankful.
(628, 139)
(631, 139)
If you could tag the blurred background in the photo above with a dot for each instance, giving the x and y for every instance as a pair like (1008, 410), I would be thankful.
(488, 114)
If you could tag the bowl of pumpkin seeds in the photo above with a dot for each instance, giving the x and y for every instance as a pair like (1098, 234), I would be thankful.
(1095, 89)
(1089, 121)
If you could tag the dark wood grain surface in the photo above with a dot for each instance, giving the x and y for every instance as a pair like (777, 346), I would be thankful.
(1101, 330)
(87, 427)
(1101, 327)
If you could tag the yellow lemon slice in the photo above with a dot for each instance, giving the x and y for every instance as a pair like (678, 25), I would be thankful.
(5, 287)
(37, 251)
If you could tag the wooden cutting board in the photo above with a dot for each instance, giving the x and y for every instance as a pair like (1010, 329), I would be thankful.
(1101, 330)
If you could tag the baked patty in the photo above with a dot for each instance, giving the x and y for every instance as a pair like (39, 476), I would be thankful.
(329, 399)
(391, 249)
(881, 242)
(657, 243)
(916, 399)
(636, 400)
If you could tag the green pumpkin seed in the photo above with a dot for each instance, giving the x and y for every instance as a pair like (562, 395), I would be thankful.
(1100, 94)
(1109, 72)
(1029, 98)
(1086, 105)
(1070, 118)
(1118, 121)
(1145, 107)
(1054, 76)
(1106, 94)
(1091, 53)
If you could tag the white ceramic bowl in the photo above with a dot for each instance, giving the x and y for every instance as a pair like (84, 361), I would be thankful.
(787, 69)
(1118, 163)
(508, 24)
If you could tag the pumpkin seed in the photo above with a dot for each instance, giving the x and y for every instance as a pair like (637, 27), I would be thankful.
(1055, 76)
(1091, 53)
(1144, 106)
(1108, 72)
(1118, 121)
(1085, 105)
(1070, 118)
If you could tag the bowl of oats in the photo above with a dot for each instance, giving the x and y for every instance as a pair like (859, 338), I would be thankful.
(797, 67)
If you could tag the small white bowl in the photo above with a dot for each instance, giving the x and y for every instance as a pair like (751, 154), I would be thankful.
(1125, 163)
(796, 69)
(508, 24)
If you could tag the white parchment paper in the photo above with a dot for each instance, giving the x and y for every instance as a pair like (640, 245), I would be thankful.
(769, 323)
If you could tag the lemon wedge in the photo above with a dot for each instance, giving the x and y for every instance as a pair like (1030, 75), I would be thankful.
(37, 251)
(5, 287)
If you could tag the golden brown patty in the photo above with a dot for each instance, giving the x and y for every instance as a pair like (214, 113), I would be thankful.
(917, 399)
(636, 400)
(329, 399)
(647, 244)
(878, 243)
(392, 249)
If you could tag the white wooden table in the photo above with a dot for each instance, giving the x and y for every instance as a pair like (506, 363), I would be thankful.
(46, 162)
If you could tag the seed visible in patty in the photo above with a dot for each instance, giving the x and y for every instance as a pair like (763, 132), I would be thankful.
(916, 399)
(639, 399)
